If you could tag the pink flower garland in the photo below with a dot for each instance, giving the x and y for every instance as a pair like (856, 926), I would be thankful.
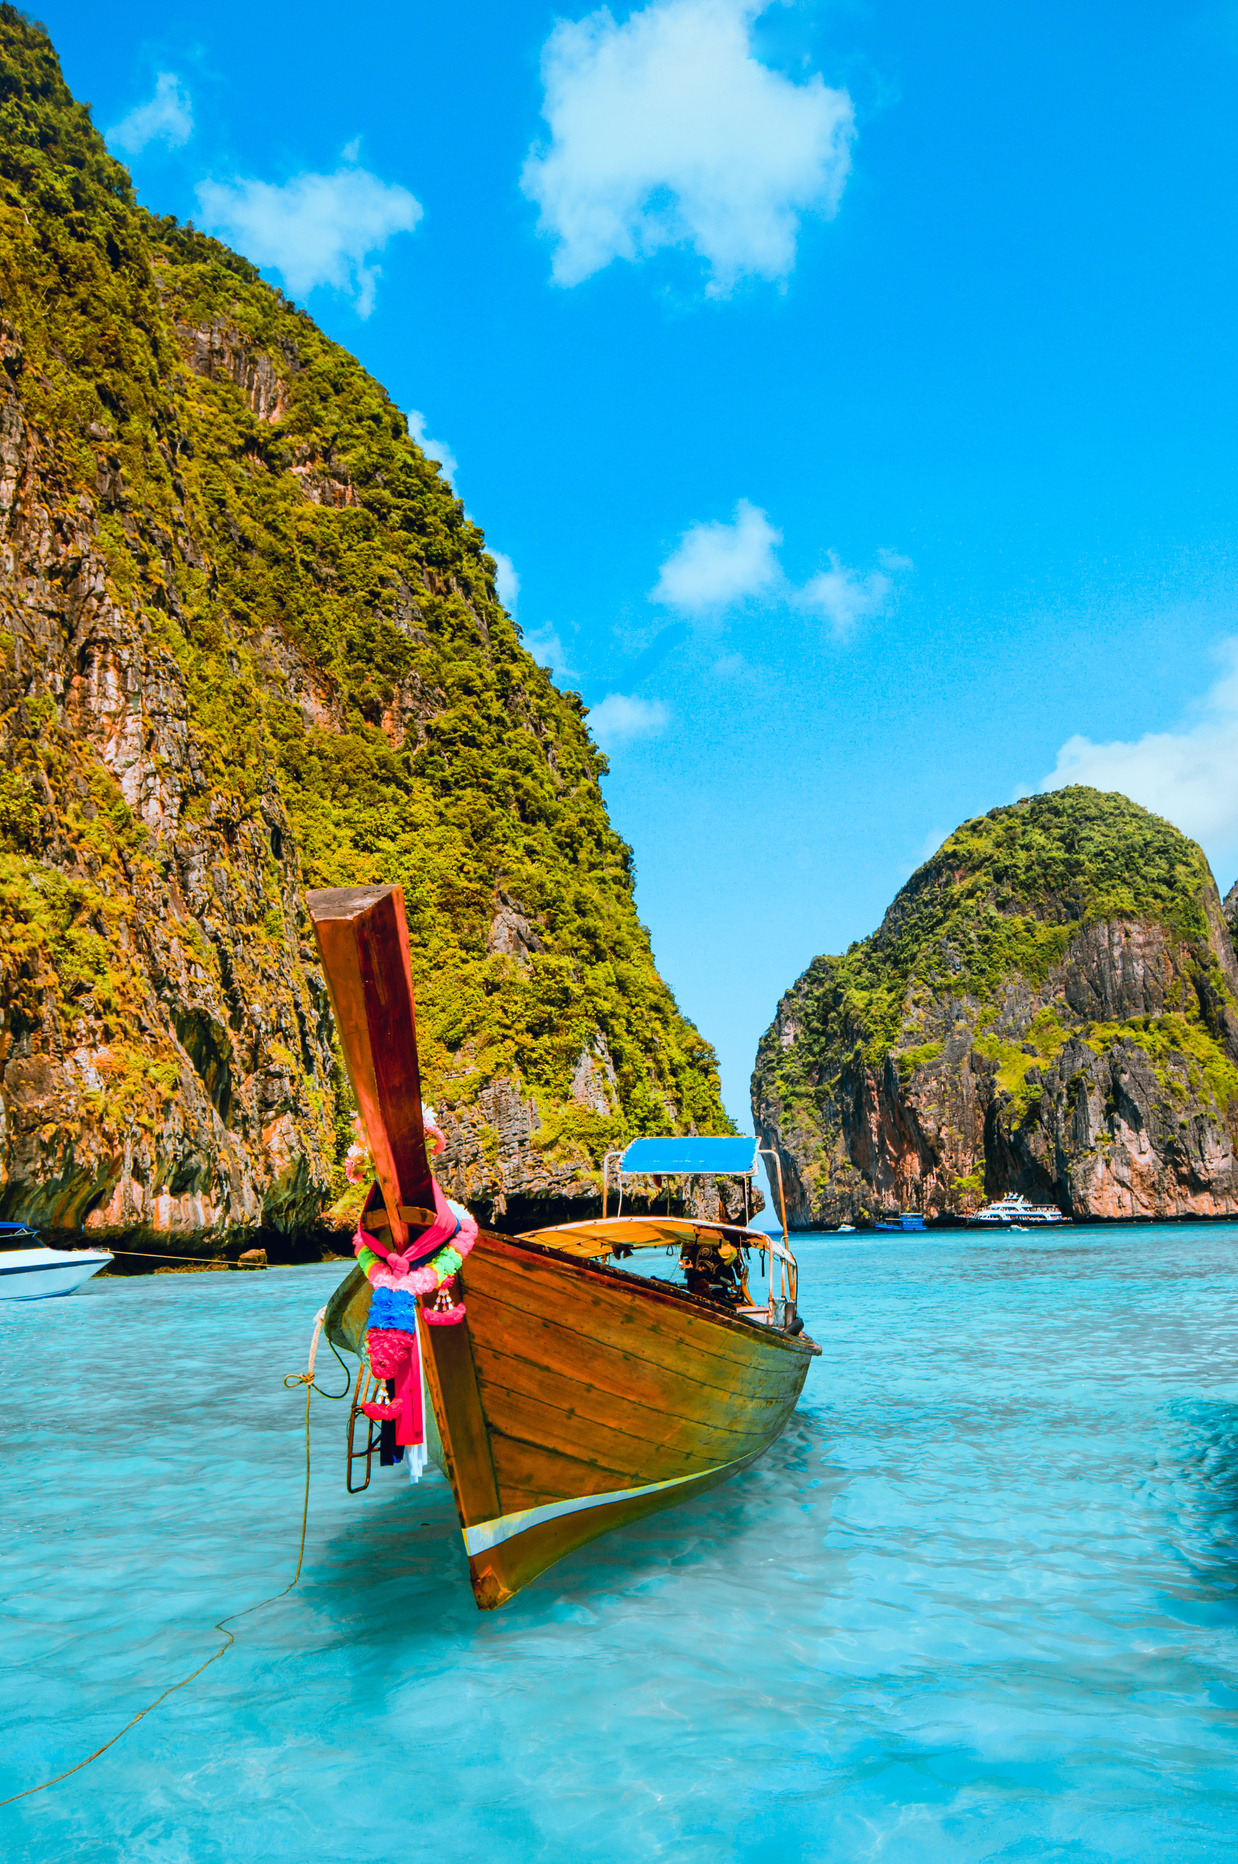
(388, 1269)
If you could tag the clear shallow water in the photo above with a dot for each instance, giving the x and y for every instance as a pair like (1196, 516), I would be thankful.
(980, 1602)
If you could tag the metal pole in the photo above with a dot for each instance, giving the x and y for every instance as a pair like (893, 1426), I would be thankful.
(607, 1157)
(768, 1152)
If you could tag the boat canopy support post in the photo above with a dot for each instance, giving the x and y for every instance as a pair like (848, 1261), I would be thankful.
(788, 1292)
(605, 1175)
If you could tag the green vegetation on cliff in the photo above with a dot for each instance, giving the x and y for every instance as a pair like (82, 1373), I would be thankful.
(1040, 941)
(343, 698)
(1003, 898)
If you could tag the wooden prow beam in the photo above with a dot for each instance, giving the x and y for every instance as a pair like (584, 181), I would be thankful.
(363, 940)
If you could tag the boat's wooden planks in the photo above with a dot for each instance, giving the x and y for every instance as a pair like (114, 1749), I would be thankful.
(592, 1404)
(658, 1388)
(634, 1300)
(585, 1390)
(617, 1314)
(536, 1450)
(529, 1420)
(553, 1475)
(557, 1396)
(505, 1266)
(610, 1384)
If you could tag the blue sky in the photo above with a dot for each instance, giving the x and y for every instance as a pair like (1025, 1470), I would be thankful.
(850, 388)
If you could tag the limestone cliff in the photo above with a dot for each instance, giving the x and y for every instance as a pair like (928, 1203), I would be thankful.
(1050, 1005)
(250, 643)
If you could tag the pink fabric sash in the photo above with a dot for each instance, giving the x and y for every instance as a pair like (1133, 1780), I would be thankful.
(398, 1264)
(453, 1232)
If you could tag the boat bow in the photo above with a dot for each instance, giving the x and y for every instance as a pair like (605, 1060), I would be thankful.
(573, 1397)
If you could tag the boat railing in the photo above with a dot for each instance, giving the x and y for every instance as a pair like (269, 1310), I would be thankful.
(788, 1267)
(788, 1276)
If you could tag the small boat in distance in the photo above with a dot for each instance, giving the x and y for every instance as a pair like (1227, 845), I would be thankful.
(564, 1396)
(900, 1220)
(1013, 1211)
(30, 1271)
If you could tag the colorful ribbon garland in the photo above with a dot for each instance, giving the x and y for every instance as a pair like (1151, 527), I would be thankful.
(398, 1278)
(454, 1230)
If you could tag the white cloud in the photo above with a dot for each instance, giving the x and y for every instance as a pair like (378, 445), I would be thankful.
(619, 719)
(666, 131)
(316, 229)
(714, 565)
(548, 650)
(1190, 776)
(168, 117)
(436, 450)
(845, 597)
(506, 581)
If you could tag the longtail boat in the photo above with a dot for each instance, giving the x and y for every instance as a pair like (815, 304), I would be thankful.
(564, 1396)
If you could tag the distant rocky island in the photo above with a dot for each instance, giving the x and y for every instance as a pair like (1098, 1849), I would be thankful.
(1050, 1006)
(249, 644)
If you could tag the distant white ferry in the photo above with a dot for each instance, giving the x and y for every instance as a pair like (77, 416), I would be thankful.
(1014, 1210)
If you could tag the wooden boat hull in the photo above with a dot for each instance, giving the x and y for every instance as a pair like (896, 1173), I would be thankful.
(577, 1398)
(573, 1397)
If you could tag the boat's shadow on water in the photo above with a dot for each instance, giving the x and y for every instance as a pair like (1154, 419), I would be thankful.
(403, 1544)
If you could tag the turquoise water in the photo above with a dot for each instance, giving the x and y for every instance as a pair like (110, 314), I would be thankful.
(979, 1603)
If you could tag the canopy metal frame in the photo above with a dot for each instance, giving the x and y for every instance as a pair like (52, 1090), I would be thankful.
(788, 1271)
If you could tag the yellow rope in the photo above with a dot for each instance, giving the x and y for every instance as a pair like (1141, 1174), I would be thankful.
(210, 1262)
(151, 1255)
(293, 1379)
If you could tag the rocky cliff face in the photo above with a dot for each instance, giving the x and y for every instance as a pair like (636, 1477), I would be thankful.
(1049, 1006)
(249, 643)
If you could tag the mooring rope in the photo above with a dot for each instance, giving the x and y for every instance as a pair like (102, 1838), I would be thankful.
(151, 1255)
(211, 1262)
(293, 1379)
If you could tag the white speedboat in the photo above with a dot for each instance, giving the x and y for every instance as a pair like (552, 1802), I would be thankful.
(29, 1271)
(1014, 1212)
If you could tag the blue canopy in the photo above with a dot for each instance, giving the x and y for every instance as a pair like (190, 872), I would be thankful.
(726, 1156)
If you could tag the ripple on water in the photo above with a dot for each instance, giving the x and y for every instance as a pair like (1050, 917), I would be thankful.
(980, 1602)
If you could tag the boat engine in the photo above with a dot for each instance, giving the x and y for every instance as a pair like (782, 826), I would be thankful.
(715, 1271)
